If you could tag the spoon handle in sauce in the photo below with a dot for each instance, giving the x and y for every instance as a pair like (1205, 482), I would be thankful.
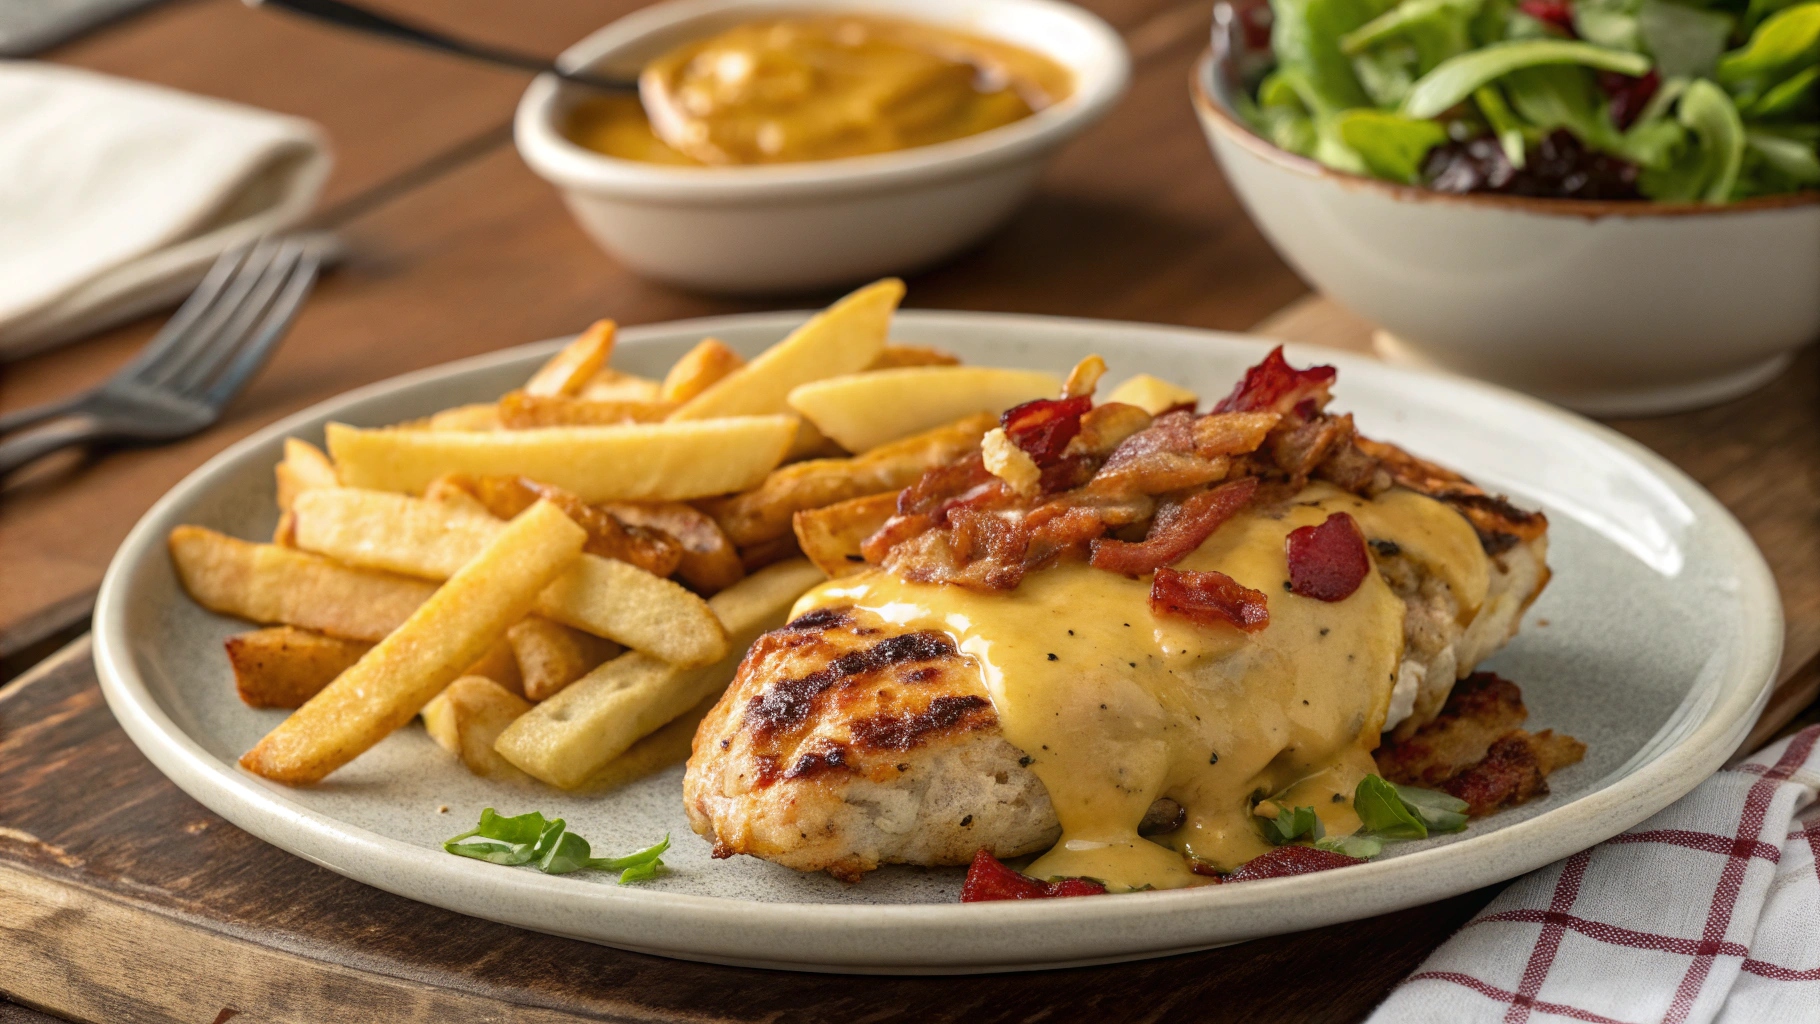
(363, 19)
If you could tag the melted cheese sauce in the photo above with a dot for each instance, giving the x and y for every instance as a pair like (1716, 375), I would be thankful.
(818, 88)
(1116, 707)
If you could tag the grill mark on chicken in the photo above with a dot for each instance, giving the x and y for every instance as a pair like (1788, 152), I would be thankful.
(787, 704)
(904, 732)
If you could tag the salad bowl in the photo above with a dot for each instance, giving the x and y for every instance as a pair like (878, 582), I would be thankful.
(1613, 308)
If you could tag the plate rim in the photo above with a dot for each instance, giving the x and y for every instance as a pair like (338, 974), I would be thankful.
(484, 891)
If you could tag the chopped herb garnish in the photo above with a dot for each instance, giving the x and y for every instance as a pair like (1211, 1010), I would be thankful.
(1382, 812)
(1288, 825)
(1441, 812)
(548, 843)
(1357, 845)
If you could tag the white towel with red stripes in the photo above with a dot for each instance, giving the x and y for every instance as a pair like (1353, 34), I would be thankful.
(1709, 911)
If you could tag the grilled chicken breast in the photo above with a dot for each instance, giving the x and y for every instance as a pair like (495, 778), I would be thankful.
(845, 743)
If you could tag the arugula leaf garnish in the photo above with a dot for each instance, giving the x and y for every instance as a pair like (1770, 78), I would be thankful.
(532, 838)
(1383, 813)
(1441, 812)
(1289, 825)
(1357, 845)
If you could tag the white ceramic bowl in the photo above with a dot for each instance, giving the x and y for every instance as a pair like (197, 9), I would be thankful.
(789, 227)
(1609, 308)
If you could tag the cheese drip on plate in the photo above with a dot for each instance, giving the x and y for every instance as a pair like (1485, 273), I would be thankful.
(1116, 707)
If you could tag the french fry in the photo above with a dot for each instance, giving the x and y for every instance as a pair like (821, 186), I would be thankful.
(610, 385)
(893, 357)
(457, 492)
(304, 467)
(663, 748)
(283, 666)
(831, 536)
(844, 338)
(811, 443)
(699, 368)
(1152, 394)
(641, 462)
(284, 534)
(655, 552)
(468, 716)
(606, 597)
(769, 552)
(861, 411)
(269, 584)
(569, 370)
(480, 416)
(392, 682)
(551, 655)
(709, 561)
(567, 739)
(763, 514)
(521, 410)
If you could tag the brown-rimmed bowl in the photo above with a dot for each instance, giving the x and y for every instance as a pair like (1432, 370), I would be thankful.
(1610, 308)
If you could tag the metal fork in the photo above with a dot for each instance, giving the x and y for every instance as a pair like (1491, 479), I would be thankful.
(180, 383)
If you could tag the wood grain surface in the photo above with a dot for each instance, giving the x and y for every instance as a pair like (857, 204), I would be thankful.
(122, 899)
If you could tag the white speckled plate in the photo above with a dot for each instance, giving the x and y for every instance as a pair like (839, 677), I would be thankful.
(1661, 640)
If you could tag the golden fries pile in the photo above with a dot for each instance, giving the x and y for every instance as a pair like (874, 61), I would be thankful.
(562, 582)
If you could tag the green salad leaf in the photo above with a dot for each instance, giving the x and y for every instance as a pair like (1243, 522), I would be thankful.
(1783, 46)
(1791, 158)
(1357, 845)
(1797, 96)
(1513, 138)
(1684, 40)
(1440, 812)
(1305, 35)
(1709, 113)
(1383, 813)
(1290, 825)
(547, 842)
(1457, 77)
(1391, 146)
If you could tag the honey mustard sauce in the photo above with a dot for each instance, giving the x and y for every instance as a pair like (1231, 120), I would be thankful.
(1117, 707)
(818, 87)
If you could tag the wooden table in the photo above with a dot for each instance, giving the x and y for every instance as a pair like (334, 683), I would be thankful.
(122, 898)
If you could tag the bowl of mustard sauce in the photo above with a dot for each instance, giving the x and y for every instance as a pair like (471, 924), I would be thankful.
(786, 147)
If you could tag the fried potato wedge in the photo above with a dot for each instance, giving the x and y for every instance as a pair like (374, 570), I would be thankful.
(270, 584)
(699, 368)
(479, 416)
(893, 357)
(392, 682)
(709, 562)
(844, 338)
(610, 385)
(551, 655)
(467, 717)
(763, 514)
(569, 370)
(521, 410)
(570, 737)
(283, 666)
(861, 411)
(640, 462)
(1154, 395)
(304, 467)
(651, 550)
(831, 537)
(415, 537)
(667, 746)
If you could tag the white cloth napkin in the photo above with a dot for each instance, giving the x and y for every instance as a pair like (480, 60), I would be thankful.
(115, 196)
(1709, 911)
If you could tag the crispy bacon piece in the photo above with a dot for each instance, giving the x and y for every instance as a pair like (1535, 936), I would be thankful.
(989, 879)
(1209, 598)
(1044, 427)
(1161, 457)
(1500, 524)
(1329, 561)
(1275, 386)
(1515, 769)
(1283, 862)
(1179, 528)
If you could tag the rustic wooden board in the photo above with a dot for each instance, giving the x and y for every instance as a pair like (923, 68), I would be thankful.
(482, 255)
(121, 898)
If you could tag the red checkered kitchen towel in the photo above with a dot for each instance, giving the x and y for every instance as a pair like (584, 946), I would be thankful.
(1709, 911)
